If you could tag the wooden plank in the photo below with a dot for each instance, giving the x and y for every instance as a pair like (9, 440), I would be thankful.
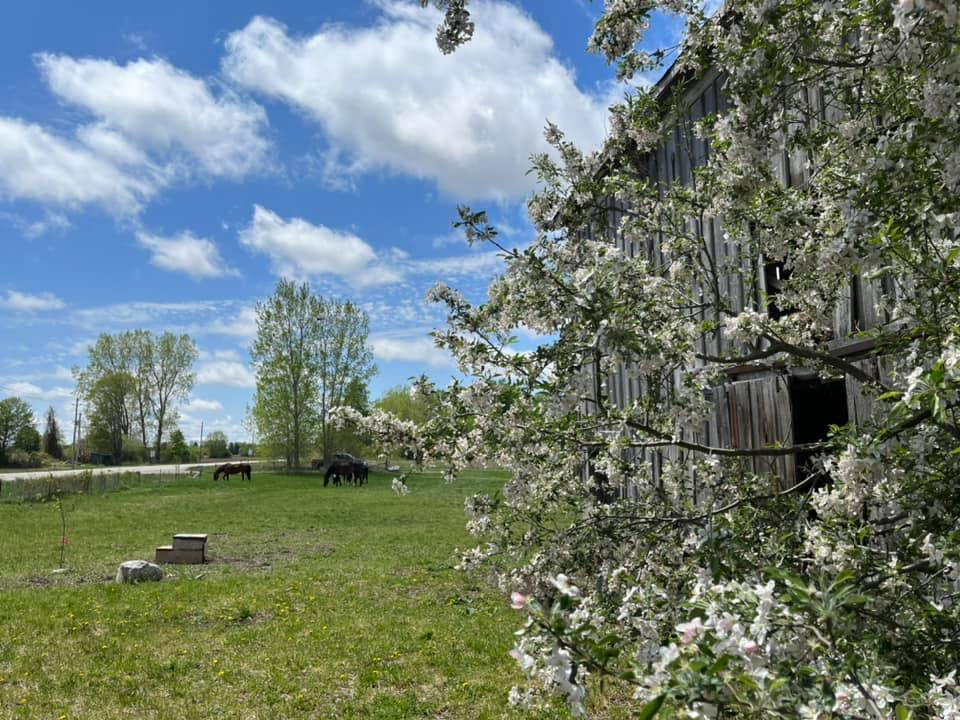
(168, 554)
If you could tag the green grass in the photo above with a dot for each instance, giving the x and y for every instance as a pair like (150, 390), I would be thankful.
(318, 603)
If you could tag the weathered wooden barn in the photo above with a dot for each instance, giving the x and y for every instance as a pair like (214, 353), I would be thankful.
(754, 408)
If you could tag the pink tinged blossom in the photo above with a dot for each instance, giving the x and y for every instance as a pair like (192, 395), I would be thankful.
(689, 630)
(525, 661)
(518, 601)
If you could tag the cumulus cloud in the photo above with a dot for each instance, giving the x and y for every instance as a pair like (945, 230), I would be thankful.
(386, 98)
(150, 123)
(24, 302)
(392, 348)
(226, 372)
(298, 248)
(228, 354)
(199, 405)
(243, 324)
(29, 391)
(186, 253)
(151, 105)
(38, 165)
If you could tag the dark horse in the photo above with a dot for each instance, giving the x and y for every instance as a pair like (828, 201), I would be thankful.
(360, 471)
(229, 469)
(340, 470)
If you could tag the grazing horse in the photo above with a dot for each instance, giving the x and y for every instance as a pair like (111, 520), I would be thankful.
(360, 472)
(340, 470)
(228, 469)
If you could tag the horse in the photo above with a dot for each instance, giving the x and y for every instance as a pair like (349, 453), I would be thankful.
(339, 469)
(361, 472)
(228, 469)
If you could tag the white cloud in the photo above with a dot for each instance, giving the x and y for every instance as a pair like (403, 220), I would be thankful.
(50, 221)
(80, 347)
(473, 264)
(24, 302)
(30, 391)
(454, 238)
(219, 355)
(151, 123)
(242, 325)
(160, 108)
(410, 349)
(387, 98)
(37, 165)
(298, 248)
(199, 405)
(63, 373)
(142, 313)
(226, 372)
(186, 253)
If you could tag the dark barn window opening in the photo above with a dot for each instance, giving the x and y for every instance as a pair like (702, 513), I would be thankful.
(816, 405)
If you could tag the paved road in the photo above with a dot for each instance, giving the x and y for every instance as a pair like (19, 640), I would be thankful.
(146, 469)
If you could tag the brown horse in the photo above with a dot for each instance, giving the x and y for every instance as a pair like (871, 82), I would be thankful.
(228, 469)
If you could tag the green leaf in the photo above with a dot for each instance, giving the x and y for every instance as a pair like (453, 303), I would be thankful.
(651, 708)
(720, 665)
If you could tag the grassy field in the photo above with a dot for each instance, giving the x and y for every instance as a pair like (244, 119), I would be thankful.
(318, 603)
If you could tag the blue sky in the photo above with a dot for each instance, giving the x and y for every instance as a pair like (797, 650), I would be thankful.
(161, 165)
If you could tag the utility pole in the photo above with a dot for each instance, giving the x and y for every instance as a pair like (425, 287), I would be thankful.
(76, 436)
(201, 441)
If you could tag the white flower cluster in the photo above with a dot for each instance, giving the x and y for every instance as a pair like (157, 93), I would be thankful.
(399, 486)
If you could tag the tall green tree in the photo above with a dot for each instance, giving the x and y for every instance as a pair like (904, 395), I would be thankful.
(170, 379)
(157, 374)
(288, 370)
(107, 386)
(15, 415)
(404, 403)
(216, 444)
(110, 414)
(52, 437)
(307, 353)
(178, 446)
(141, 347)
(344, 359)
(28, 439)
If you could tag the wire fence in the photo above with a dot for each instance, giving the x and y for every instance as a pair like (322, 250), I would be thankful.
(41, 489)
(91, 482)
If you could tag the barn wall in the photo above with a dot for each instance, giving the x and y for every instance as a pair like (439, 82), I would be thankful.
(756, 412)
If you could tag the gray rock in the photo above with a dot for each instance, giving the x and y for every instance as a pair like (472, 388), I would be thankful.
(134, 571)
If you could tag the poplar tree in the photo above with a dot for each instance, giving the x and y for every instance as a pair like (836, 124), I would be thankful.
(52, 440)
(285, 358)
